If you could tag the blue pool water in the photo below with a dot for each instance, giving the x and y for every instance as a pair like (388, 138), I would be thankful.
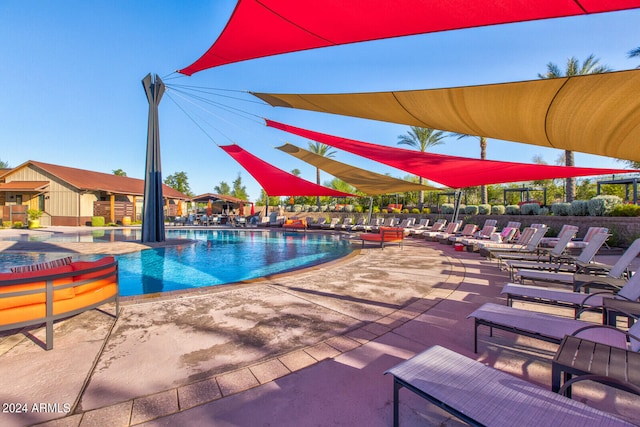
(217, 257)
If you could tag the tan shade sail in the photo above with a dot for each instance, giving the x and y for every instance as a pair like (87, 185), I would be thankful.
(366, 181)
(596, 114)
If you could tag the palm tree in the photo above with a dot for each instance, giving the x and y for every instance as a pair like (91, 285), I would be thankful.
(633, 53)
(421, 139)
(574, 68)
(324, 151)
(483, 156)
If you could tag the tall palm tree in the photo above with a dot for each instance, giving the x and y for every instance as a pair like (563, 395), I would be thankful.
(573, 68)
(483, 155)
(633, 53)
(421, 139)
(324, 151)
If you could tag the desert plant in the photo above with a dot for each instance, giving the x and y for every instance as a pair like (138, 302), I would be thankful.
(626, 210)
(471, 210)
(530, 209)
(358, 209)
(484, 209)
(498, 210)
(34, 213)
(97, 221)
(603, 205)
(561, 209)
(580, 208)
(405, 211)
(376, 209)
(512, 210)
(544, 211)
(446, 208)
(426, 210)
(348, 208)
(415, 211)
(6, 224)
(18, 224)
(395, 211)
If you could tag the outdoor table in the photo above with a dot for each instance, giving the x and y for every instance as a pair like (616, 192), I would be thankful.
(578, 356)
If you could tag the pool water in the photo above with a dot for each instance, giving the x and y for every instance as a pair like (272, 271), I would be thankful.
(217, 257)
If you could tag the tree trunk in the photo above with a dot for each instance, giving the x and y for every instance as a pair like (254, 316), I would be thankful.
(318, 182)
(483, 156)
(571, 182)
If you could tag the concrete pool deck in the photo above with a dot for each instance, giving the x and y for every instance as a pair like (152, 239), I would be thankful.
(305, 348)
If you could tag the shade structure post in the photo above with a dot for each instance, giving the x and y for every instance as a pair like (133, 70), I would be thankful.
(370, 210)
(457, 198)
(153, 214)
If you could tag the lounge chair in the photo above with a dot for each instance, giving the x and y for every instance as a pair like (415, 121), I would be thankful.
(346, 224)
(468, 231)
(549, 242)
(520, 243)
(580, 302)
(481, 395)
(374, 224)
(383, 236)
(550, 328)
(483, 235)
(503, 254)
(331, 225)
(421, 225)
(359, 225)
(558, 260)
(318, 224)
(436, 226)
(582, 243)
(610, 276)
(452, 227)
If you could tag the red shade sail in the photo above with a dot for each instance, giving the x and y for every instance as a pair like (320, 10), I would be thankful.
(259, 28)
(452, 171)
(277, 182)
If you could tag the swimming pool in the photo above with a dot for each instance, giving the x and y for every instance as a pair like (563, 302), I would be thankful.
(217, 257)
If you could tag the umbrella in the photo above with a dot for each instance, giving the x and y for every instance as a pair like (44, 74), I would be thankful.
(153, 215)
(179, 211)
(253, 210)
(209, 208)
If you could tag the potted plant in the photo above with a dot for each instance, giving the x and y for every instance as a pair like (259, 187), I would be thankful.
(34, 217)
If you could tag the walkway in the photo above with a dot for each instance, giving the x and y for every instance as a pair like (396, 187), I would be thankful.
(307, 348)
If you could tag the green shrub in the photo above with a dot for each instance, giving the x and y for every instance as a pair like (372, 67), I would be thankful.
(297, 208)
(376, 209)
(561, 209)
(395, 211)
(426, 210)
(18, 224)
(512, 210)
(498, 210)
(384, 211)
(323, 208)
(471, 210)
(484, 209)
(446, 208)
(626, 210)
(97, 221)
(603, 205)
(348, 208)
(358, 209)
(415, 211)
(530, 209)
(405, 211)
(580, 208)
(544, 211)
(6, 224)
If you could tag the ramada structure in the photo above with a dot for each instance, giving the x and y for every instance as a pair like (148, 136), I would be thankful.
(69, 196)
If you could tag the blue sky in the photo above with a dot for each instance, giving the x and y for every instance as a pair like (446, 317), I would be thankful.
(71, 76)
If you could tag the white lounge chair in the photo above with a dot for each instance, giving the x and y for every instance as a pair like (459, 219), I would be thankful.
(580, 302)
(467, 231)
(612, 277)
(452, 227)
(437, 226)
(480, 395)
(550, 328)
(560, 262)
